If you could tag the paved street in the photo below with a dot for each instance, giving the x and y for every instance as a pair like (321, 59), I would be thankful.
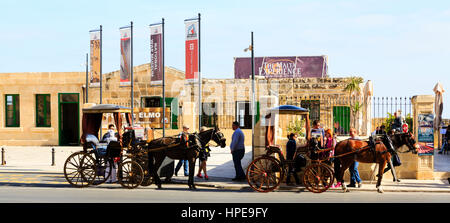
(180, 194)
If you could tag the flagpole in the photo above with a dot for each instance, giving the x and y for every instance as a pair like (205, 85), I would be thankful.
(132, 82)
(253, 97)
(199, 80)
(87, 77)
(101, 80)
(163, 83)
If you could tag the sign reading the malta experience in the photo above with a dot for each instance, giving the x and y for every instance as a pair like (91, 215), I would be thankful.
(191, 33)
(425, 135)
(125, 56)
(281, 67)
(94, 75)
(156, 54)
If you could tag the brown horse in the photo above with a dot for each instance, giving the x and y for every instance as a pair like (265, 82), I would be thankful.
(158, 149)
(351, 150)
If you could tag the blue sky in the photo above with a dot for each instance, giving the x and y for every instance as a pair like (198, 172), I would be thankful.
(402, 46)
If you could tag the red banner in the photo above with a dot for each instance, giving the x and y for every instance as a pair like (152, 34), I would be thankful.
(192, 53)
(191, 59)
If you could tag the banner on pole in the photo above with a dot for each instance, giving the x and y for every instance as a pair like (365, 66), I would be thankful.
(125, 56)
(192, 53)
(156, 64)
(94, 74)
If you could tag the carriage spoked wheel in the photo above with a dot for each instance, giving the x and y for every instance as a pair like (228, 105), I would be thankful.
(80, 169)
(318, 177)
(103, 170)
(148, 178)
(264, 174)
(130, 174)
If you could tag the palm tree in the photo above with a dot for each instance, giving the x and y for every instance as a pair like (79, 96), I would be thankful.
(352, 88)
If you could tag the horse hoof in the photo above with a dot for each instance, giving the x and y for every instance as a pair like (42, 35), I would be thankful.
(380, 190)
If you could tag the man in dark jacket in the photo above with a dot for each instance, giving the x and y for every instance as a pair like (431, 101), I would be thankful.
(291, 147)
(397, 124)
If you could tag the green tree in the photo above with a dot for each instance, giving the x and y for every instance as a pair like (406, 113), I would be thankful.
(352, 88)
(298, 127)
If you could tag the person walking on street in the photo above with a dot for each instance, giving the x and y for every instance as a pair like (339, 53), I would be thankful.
(184, 139)
(203, 157)
(291, 148)
(237, 148)
(354, 173)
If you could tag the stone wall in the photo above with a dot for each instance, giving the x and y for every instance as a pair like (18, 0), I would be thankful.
(27, 85)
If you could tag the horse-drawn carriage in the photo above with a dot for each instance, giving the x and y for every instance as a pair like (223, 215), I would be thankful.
(137, 160)
(265, 173)
(97, 162)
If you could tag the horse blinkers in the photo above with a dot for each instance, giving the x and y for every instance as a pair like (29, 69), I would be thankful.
(220, 139)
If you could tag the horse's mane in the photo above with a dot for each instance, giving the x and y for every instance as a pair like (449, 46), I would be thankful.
(164, 141)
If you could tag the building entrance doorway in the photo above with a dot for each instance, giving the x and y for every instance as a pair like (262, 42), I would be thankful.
(69, 120)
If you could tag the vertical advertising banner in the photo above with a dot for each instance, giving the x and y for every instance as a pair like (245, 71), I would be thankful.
(191, 33)
(94, 74)
(125, 56)
(156, 64)
(425, 135)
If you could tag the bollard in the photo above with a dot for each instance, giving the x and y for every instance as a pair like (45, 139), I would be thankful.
(53, 156)
(3, 157)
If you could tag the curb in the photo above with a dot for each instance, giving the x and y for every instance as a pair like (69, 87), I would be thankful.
(301, 188)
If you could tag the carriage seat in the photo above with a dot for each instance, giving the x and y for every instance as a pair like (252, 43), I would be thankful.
(99, 147)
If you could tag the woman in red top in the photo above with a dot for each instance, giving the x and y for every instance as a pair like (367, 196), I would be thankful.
(330, 142)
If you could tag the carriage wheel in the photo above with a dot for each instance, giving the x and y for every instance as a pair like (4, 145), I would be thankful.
(131, 174)
(103, 170)
(264, 174)
(79, 169)
(318, 177)
(148, 178)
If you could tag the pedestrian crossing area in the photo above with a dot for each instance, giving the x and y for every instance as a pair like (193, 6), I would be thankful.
(32, 178)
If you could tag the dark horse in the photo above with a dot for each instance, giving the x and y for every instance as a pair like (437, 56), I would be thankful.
(351, 150)
(399, 140)
(158, 149)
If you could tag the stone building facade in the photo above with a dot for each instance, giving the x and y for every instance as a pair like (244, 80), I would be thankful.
(44, 108)
(41, 108)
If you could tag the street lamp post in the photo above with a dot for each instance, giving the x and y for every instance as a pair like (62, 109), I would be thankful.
(253, 97)
(251, 48)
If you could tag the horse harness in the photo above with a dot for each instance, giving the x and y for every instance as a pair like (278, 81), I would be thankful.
(371, 146)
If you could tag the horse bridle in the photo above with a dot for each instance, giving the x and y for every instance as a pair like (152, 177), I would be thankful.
(409, 142)
(213, 132)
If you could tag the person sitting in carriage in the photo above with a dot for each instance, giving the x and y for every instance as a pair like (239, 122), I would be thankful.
(397, 123)
(110, 135)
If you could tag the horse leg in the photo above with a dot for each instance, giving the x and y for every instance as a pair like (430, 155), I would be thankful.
(380, 175)
(191, 174)
(394, 174)
(158, 161)
(345, 164)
